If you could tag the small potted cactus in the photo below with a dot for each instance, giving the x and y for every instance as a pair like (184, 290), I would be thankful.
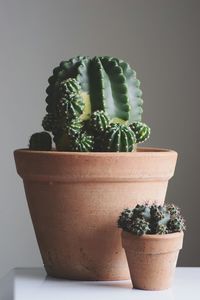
(152, 236)
(86, 166)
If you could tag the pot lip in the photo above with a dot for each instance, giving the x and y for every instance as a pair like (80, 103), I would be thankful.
(151, 237)
(142, 151)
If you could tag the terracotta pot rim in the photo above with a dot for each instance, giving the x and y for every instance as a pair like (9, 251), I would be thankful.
(152, 244)
(142, 151)
(151, 237)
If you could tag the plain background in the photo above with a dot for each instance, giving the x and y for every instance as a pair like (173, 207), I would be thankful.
(159, 38)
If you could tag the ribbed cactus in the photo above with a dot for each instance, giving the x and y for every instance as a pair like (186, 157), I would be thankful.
(119, 138)
(106, 83)
(63, 137)
(99, 121)
(152, 219)
(69, 102)
(73, 127)
(82, 143)
(67, 105)
(40, 141)
(90, 103)
(141, 131)
(125, 220)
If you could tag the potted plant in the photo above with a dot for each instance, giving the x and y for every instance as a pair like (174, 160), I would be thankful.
(77, 188)
(152, 236)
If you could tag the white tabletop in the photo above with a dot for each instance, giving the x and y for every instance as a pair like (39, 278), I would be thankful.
(32, 283)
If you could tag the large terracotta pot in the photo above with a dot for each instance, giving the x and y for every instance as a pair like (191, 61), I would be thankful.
(152, 259)
(75, 199)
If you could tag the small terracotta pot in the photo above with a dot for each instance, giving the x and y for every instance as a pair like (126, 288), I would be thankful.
(75, 199)
(152, 259)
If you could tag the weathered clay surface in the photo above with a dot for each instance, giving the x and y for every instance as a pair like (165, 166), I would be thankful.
(75, 199)
(152, 259)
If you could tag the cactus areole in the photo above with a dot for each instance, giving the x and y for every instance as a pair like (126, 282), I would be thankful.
(96, 93)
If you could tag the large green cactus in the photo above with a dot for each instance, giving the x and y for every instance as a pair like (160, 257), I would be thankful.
(106, 83)
(94, 104)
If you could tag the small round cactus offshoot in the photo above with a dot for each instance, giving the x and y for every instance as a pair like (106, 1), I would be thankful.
(40, 141)
(99, 121)
(69, 102)
(141, 131)
(82, 143)
(119, 138)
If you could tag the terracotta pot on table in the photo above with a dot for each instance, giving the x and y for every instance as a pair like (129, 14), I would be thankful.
(152, 258)
(75, 199)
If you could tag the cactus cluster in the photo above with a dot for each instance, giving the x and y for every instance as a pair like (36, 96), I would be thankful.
(94, 105)
(152, 219)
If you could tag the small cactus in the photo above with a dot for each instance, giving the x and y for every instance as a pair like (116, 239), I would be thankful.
(69, 87)
(51, 123)
(99, 121)
(162, 229)
(125, 220)
(62, 141)
(73, 127)
(92, 101)
(176, 224)
(174, 210)
(70, 102)
(64, 138)
(140, 226)
(141, 131)
(82, 143)
(40, 141)
(152, 219)
(119, 138)
(157, 212)
(142, 211)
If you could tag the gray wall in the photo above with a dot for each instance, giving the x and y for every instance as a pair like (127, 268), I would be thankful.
(160, 39)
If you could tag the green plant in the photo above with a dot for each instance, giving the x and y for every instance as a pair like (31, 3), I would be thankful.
(152, 219)
(106, 83)
(141, 131)
(98, 122)
(95, 102)
(119, 138)
(40, 141)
